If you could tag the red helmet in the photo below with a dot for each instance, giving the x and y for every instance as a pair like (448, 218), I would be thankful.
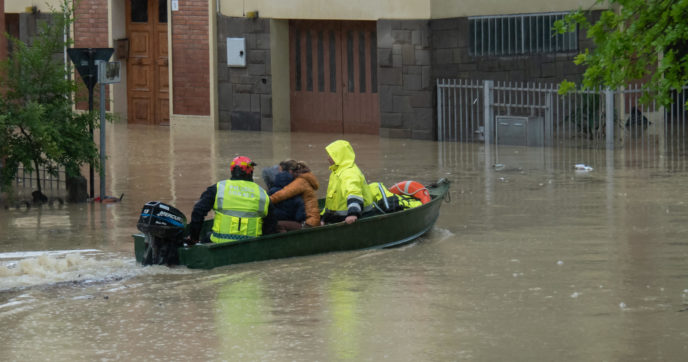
(244, 163)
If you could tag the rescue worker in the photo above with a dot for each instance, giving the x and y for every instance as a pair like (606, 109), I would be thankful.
(242, 208)
(348, 194)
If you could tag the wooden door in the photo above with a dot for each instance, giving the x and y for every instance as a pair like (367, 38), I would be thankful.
(333, 76)
(361, 103)
(147, 64)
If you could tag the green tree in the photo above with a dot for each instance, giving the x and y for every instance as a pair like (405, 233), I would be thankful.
(635, 40)
(38, 126)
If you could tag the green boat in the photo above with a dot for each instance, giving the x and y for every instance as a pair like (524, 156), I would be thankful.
(377, 231)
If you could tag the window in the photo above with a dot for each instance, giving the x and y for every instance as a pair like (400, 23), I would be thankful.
(162, 11)
(139, 11)
(519, 34)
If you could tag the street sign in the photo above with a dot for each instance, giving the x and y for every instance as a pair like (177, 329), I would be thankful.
(109, 72)
(84, 60)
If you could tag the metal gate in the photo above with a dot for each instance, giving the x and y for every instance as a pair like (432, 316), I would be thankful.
(476, 111)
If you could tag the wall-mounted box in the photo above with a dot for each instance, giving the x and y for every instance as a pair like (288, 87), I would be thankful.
(236, 52)
(122, 48)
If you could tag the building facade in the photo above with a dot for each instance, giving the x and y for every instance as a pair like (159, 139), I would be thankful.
(344, 66)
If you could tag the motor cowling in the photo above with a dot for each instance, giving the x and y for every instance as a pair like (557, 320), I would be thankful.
(163, 227)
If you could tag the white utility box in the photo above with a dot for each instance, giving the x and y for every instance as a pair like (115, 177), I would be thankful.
(236, 52)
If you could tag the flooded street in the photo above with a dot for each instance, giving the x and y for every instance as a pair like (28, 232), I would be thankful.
(531, 260)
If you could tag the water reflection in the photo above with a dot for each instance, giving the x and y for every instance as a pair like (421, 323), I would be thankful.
(530, 259)
(241, 311)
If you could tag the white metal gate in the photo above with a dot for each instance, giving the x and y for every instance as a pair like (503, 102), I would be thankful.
(588, 119)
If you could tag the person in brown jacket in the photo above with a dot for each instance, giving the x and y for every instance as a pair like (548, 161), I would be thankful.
(305, 184)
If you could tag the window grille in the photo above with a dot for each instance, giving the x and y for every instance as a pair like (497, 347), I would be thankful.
(519, 34)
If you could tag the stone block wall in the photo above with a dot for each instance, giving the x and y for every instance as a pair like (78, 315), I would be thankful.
(451, 59)
(405, 79)
(190, 58)
(245, 93)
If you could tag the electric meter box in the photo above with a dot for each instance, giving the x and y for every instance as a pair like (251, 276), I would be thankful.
(236, 52)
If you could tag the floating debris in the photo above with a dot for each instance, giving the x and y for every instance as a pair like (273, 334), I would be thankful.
(582, 167)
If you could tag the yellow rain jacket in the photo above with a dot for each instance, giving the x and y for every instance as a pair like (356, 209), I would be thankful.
(347, 191)
(239, 210)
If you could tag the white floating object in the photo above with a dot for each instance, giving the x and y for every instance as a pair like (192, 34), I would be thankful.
(582, 167)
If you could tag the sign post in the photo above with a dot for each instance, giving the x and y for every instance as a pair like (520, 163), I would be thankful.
(108, 72)
(84, 60)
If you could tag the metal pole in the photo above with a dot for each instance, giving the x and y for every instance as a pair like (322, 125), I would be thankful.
(609, 115)
(487, 111)
(440, 109)
(102, 132)
(91, 55)
(90, 130)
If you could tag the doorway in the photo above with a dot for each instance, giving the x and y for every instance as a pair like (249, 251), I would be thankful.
(333, 76)
(147, 62)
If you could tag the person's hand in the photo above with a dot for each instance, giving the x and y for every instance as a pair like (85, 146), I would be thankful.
(350, 219)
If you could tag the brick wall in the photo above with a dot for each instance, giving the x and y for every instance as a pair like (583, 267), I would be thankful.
(190, 47)
(91, 24)
(90, 31)
(245, 93)
(404, 77)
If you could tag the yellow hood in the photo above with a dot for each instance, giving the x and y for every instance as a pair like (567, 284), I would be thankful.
(341, 153)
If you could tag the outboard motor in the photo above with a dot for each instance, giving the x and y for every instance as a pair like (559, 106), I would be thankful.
(163, 227)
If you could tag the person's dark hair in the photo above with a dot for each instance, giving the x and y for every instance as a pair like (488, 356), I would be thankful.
(239, 174)
(288, 165)
(301, 168)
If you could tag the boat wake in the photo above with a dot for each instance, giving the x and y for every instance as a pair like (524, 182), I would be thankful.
(43, 268)
(441, 234)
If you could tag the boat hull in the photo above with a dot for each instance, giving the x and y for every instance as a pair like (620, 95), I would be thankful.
(379, 231)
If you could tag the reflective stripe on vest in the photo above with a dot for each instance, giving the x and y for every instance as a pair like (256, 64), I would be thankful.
(239, 210)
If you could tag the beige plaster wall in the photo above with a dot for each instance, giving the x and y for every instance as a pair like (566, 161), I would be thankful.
(393, 9)
(461, 8)
(117, 30)
(19, 6)
(212, 60)
(279, 67)
(329, 9)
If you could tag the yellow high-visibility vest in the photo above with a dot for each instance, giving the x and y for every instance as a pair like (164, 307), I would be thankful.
(240, 207)
(407, 202)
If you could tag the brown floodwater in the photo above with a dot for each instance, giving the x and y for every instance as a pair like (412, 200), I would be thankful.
(531, 260)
